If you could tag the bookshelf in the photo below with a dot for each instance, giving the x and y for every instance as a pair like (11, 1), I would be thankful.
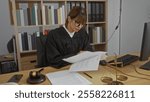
(34, 17)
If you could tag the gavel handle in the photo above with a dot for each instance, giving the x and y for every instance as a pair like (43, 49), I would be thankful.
(41, 70)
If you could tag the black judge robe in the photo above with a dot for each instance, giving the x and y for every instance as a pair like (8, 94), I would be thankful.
(60, 45)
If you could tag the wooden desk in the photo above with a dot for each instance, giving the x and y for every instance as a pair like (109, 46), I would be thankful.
(97, 75)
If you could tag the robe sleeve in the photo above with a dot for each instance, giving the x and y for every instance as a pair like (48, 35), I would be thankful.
(54, 58)
(87, 46)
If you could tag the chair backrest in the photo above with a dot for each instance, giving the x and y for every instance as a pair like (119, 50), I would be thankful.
(11, 45)
(41, 50)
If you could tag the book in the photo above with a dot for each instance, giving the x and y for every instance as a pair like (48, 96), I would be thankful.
(29, 15)
(22, 17)
(85, 61)
(18, 17)
(20, 41)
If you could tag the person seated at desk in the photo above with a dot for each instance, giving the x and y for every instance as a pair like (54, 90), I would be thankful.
(69, 39)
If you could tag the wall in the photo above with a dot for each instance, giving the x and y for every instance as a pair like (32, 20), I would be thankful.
(113, 20)
(6, 30)
(134, 14)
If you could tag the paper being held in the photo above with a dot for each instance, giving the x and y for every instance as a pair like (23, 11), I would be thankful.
(86, 65)
(83, 56)
(85, 61)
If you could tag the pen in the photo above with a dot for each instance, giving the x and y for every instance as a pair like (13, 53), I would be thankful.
(87, 75)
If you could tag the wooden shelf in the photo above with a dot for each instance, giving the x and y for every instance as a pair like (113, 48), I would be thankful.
(16, 5)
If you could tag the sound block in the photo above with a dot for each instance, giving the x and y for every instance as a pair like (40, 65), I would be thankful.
(41, 79)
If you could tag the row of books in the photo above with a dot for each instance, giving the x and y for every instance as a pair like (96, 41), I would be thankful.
(97, 35)
(71, 4)
(52, 14)
(27, 41)
(33, 16)
(96, 11)
(29, 16)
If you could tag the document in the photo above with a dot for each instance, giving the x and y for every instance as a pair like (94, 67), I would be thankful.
(85, 61)
(66, 77)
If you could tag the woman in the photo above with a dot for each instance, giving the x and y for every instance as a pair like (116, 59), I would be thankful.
(69, 39)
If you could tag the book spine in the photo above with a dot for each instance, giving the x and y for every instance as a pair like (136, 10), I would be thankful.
(22, 17)
(53, 15)
(39, 13)
(46, 14)
(43, 14)
(26, 41)
(18, 18)
(36, 15)
(29, 16)
(33, 40)
(29, 42)
(25, 17)
(20, 41)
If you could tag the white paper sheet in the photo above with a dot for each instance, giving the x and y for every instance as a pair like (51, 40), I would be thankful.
(86, 65)
(85, 61)
(83, 55)
(66, 77)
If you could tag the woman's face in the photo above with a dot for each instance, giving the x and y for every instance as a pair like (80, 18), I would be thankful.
(73, 25)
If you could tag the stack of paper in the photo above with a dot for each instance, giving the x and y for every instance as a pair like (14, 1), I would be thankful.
(67, 78)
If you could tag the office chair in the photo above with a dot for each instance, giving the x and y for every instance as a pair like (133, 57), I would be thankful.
(10, 45)
(41, 50)
(10, 64)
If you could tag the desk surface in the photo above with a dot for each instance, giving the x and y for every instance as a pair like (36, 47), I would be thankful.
(134, 78)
